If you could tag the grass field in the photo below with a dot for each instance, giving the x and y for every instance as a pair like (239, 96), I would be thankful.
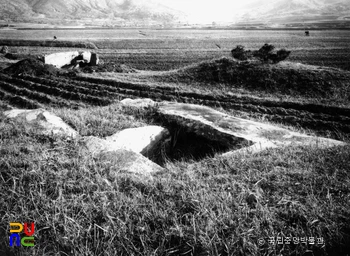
(212, 206)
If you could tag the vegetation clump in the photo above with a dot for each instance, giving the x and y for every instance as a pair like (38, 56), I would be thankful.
(265, 54)
(240, 53)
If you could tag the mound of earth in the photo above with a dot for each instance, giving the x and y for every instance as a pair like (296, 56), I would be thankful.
(33, 67)
(11, 56)
(285, 77)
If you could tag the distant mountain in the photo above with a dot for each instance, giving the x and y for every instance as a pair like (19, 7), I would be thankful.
(284, 11)
(14, 10)
(152, 12)
(110, 10)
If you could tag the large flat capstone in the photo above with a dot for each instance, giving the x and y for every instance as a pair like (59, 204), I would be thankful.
(50, 123)
(261, 135)
(220, 127)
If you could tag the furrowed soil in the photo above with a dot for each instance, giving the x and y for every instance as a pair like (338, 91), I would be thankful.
(31, 84)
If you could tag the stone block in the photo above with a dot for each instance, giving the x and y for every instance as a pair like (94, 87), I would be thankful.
(94, 60)
(148, 141)
(138, 103)
(127, 161)
(60, 59)
(50, 123)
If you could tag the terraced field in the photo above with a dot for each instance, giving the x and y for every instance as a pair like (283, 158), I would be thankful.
(170, 49)
(32, 92)
(155, 50)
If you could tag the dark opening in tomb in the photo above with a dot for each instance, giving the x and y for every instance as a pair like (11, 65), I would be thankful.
(191, 142)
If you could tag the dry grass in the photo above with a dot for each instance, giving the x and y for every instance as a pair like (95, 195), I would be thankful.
(217, 206)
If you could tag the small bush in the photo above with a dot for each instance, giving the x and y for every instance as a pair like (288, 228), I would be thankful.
(282, 54)
(239, 53)
(264, 54)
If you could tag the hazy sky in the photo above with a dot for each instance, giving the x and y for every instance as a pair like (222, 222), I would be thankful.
(208, 10)
(228, 10)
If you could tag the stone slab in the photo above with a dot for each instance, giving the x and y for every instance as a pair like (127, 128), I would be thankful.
(128, 161)
(138, 103)
(121, 160)
(143, 140)
(50, 123)
(211, 123)
(60, 59)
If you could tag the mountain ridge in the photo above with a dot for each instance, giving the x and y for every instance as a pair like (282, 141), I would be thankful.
(153, 12)
(112, 10)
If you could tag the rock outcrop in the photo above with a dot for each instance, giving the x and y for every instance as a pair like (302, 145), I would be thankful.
(50, 123)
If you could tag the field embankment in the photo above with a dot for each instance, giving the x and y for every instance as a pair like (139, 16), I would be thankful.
(48, 43)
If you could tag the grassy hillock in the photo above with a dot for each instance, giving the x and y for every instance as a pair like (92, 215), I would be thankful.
(286, 78)
(217, 206)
